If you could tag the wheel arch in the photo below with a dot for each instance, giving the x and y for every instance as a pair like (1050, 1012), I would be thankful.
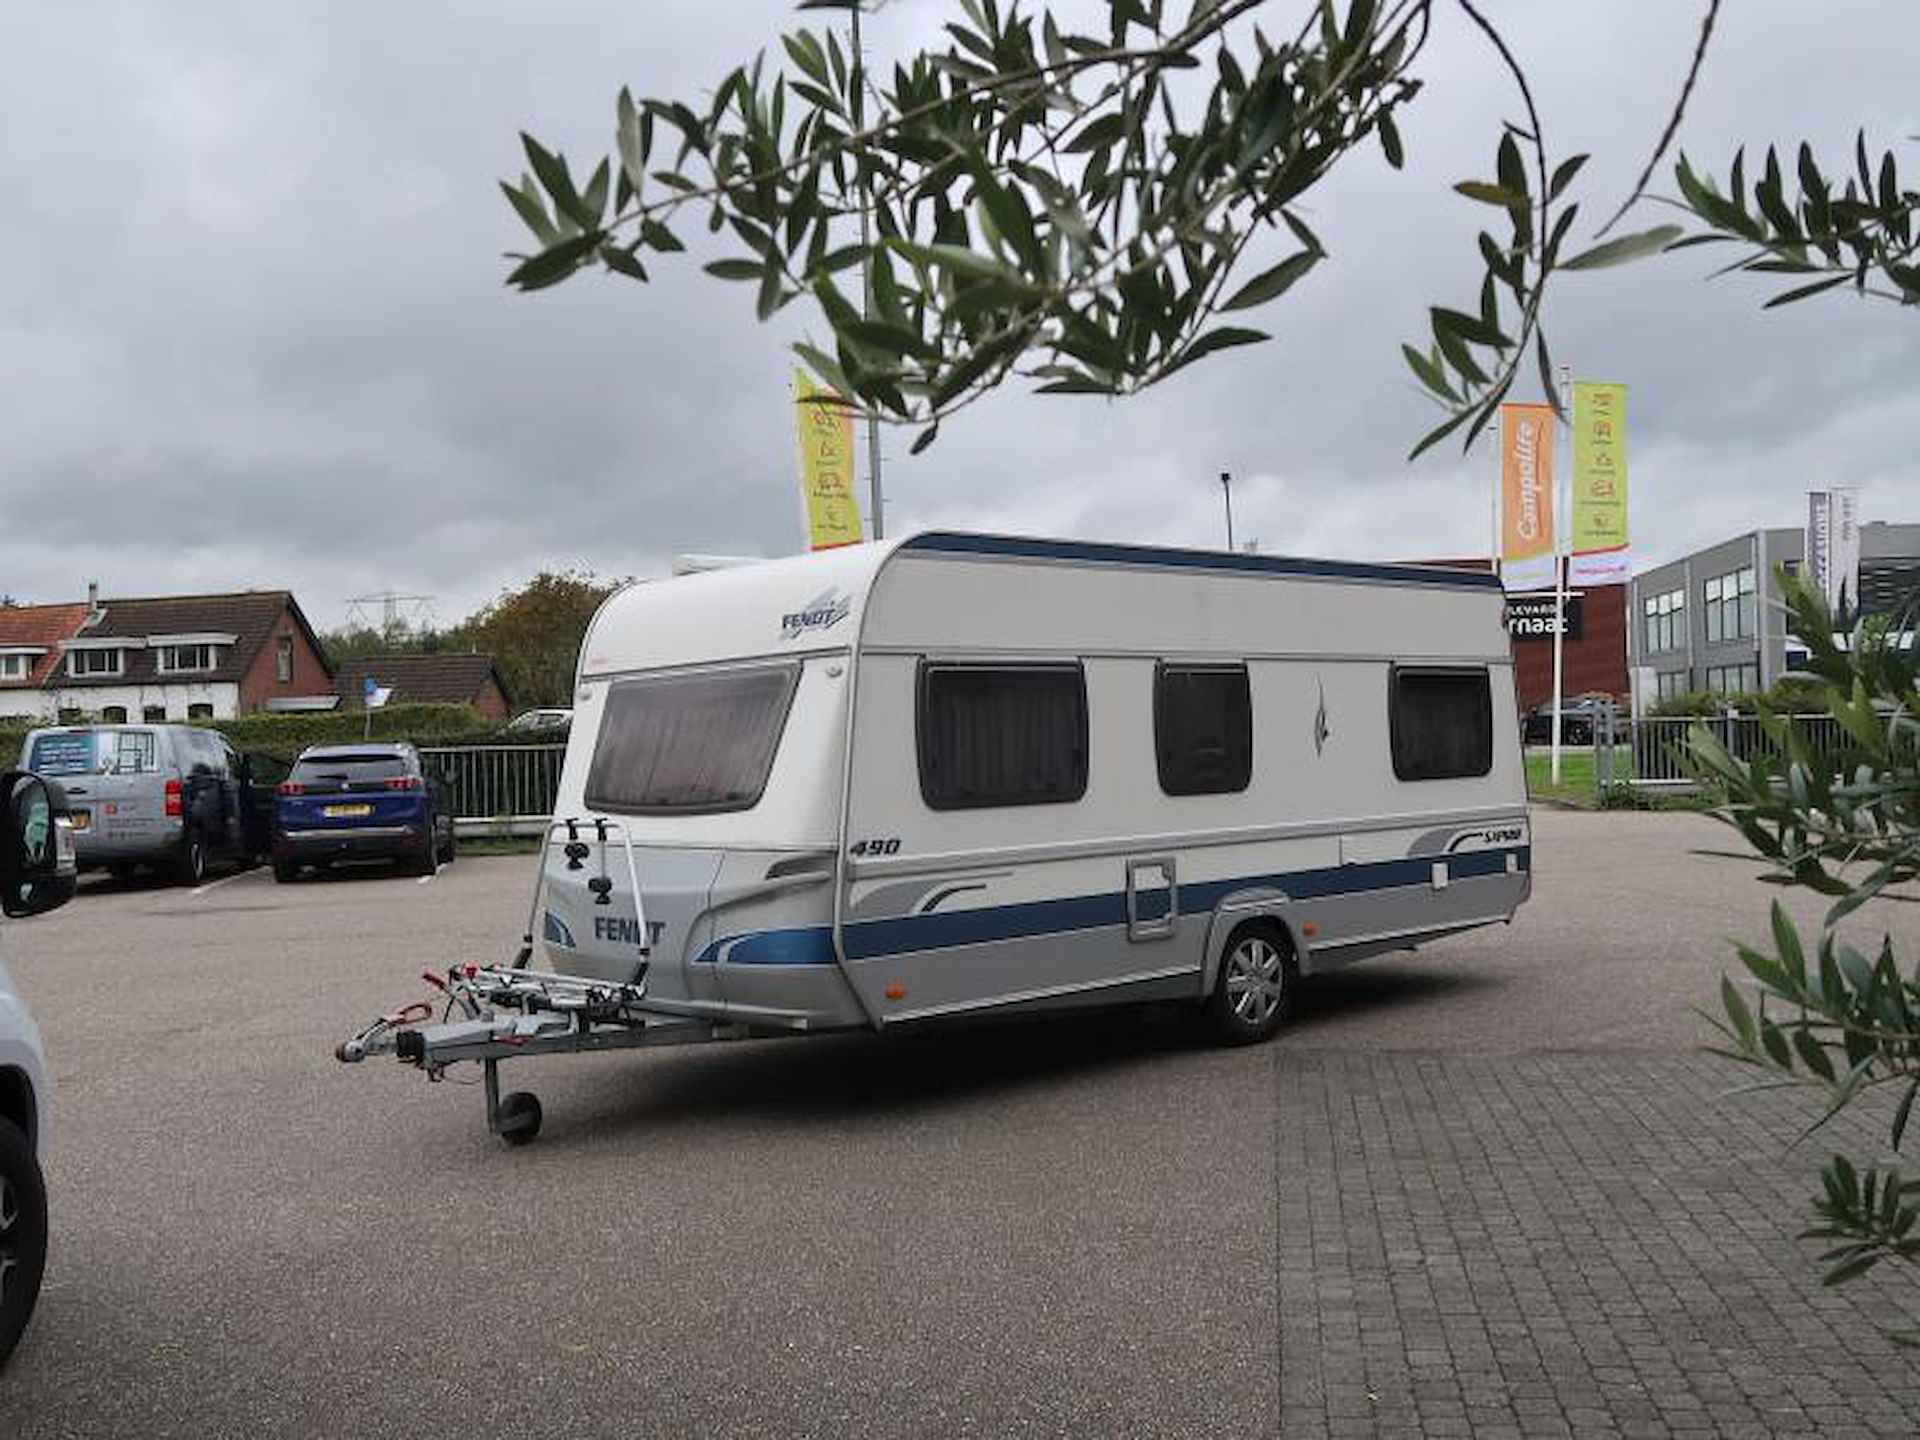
(1234, 910)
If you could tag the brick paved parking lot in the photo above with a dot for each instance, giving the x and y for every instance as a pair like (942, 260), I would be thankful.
(1492, 1189)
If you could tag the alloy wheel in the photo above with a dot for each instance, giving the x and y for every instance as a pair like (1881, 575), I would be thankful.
(1256, 980)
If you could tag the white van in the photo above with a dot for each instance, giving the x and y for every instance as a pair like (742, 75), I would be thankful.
(958, 774)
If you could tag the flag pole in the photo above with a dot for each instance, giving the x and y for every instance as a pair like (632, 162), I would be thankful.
(857, 101)
(1562, 527)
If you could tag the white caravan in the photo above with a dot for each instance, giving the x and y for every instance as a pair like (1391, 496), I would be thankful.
(960, 774)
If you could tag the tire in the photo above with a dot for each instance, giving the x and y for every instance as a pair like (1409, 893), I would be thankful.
(285, 872)
(519, 1119)
(451, 848)
(1254, 991)
(190, 865)
(23, 1234)
(422, 861)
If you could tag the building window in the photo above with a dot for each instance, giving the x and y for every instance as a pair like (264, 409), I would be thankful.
(1670, 684)
(690, 744)
(200, 711)
(114, 714)
(283, 660)
(14, 667)
(1202, 729)
(185, 659)
(94, 662)
(1666, 617)
(1002, 735)
(1733, 679)
(1730, 606)
(154, 714)
(1440, 723)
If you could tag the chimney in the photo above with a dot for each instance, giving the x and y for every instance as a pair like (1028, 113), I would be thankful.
(93, 595)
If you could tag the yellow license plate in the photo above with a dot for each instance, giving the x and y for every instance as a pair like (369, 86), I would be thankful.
(81, 819)
(346, 812)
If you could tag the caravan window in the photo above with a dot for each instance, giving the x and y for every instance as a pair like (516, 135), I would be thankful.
(1203, 729)
(690, 744)
(1002, 735)
(1441, 723)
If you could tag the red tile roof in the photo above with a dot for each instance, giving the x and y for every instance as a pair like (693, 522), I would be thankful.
(46, 625)
(249, 615)
(438, 678)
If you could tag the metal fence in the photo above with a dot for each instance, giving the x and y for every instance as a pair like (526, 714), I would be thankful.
(498, 789)
(1657, 745)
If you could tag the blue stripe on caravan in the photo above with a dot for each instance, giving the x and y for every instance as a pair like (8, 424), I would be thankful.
(812, 945)
(949, 543)
(870, 939)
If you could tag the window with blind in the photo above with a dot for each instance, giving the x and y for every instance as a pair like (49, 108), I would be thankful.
(1203, 729)
(1441, 723)
(993, 735)
(690, 744)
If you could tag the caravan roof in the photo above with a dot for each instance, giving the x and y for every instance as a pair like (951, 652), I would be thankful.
(811, 603)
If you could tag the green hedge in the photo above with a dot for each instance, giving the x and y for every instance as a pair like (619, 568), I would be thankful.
(287, 735)
(1788, 697)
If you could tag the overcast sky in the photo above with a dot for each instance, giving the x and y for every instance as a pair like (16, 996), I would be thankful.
(253, 331)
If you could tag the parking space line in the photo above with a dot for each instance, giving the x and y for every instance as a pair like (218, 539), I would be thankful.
(223, 880)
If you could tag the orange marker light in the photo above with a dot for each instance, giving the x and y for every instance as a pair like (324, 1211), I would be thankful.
(896, 991)
(1309, 929)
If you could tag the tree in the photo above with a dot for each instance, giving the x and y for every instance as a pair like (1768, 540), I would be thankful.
(534, 633)
(1844, 820)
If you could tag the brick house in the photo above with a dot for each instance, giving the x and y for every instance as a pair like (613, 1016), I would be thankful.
(187, 657)
(31, 637)
(428, 679)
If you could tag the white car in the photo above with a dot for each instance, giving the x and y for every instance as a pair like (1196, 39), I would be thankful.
(545, 718)
(37, 873)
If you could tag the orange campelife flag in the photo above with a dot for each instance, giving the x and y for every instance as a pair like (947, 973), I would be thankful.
(1526, 496)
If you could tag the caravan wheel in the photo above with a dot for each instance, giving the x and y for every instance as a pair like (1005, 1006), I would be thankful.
(1256, 984)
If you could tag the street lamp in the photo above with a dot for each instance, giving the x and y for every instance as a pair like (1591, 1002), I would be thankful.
(1226, 492)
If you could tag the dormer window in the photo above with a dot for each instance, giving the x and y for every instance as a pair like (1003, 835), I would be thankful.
(96, 662)
(185, 659)
(15, 667)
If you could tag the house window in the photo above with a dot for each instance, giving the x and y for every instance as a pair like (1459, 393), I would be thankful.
(283, 660)
(14, 667)
(992, 735)
(185, 659)
(1669, 684)
(1730, 606)
(154, 714)
(114, 714)
(1666, 617)
(1202, 729)
(200, 711)
(1440, 723)
(94, 662)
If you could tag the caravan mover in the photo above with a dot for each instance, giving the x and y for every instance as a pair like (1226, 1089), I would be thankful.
(960, 774)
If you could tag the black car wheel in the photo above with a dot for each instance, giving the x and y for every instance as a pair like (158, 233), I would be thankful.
(285, 872)
(190, 865)
(23, 1234)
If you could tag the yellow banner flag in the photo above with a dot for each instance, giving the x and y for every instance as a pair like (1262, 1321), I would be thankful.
(1527, 554)
(1600, 554)
(825, 429)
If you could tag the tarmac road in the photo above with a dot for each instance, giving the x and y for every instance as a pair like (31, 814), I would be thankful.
(1083, 1226)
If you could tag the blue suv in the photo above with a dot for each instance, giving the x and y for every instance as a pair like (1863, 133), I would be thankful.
(360, 802)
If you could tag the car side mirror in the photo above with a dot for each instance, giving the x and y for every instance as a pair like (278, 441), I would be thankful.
(38, 871)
